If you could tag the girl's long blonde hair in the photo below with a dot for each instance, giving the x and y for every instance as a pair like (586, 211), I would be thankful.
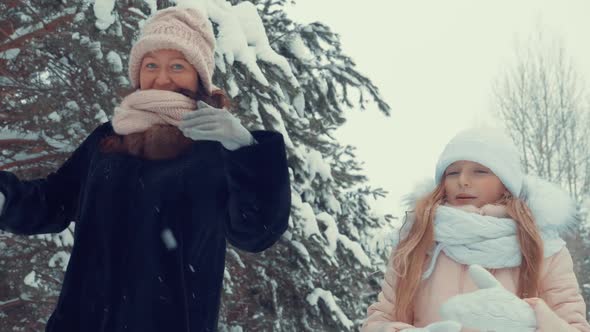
(410, 256)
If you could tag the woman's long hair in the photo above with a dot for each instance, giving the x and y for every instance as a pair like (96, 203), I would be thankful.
(410, 256)
(161, 141)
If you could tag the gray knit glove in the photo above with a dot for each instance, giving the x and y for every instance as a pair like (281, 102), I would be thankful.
(215, 124)
(491, 308)
(444, 326)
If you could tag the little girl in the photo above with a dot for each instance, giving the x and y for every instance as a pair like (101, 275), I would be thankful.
(482, 251)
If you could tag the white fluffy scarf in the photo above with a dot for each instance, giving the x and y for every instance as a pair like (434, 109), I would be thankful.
(470, 238)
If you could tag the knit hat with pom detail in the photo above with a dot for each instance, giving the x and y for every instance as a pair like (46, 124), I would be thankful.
(177, 28)
(489, 147)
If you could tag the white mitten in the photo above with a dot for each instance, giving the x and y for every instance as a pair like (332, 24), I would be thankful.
(444, 326)
(491, 308)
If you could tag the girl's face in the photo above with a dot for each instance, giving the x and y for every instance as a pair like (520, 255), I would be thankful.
(470, 183)
(167, 70)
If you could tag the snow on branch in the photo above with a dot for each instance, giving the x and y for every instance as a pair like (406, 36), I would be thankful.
(241, 37)
(330, 302)
(103, 10)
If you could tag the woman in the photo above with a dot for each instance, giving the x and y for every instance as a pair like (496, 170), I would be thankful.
(482, 250)
(156, 193)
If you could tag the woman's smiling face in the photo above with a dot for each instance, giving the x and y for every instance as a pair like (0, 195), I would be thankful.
(167, 70)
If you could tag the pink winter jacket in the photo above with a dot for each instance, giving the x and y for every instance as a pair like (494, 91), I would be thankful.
(559, 289)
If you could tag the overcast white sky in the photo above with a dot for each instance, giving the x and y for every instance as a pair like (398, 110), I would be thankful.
(434, 63)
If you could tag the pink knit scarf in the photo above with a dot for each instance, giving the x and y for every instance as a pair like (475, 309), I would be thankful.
(144, 108)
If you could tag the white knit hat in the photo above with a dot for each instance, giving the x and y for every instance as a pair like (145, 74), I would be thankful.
(184, 29)
(489, 147)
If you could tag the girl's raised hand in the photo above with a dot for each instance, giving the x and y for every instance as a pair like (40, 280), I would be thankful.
(491, 307)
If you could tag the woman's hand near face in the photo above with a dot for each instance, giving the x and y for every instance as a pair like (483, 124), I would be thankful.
(215, 124)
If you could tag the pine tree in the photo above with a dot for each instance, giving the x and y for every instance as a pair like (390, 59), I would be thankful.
(69, 73)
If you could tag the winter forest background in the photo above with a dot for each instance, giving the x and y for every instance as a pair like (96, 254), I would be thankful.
(63, 70)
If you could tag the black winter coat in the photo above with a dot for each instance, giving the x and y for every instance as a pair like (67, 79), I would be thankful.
(150, 236)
